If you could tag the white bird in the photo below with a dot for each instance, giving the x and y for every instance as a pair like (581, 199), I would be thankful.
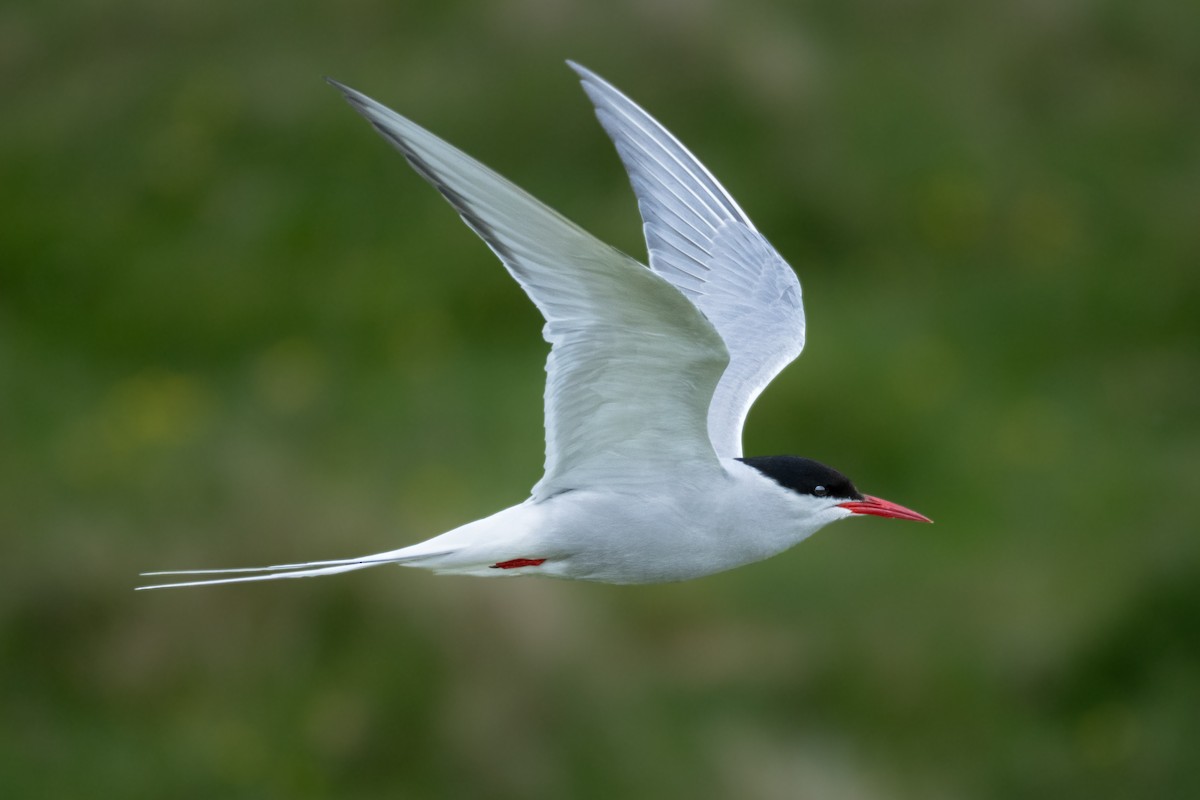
(650, 376)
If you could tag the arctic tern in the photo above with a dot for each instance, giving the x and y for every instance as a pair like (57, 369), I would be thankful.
(651, 373)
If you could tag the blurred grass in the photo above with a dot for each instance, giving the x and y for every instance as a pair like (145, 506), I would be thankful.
(235, 329)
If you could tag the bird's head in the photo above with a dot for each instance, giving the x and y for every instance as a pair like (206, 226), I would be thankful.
(830, 493)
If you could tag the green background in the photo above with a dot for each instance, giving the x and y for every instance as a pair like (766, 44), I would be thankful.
(236, 329)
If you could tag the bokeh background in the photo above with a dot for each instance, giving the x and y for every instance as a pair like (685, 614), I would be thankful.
(236, 329)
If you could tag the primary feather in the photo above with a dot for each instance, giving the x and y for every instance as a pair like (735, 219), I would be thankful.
(632, 364)
(702, 242)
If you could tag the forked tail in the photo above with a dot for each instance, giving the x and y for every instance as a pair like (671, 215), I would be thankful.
(491, 546)
(311, 569)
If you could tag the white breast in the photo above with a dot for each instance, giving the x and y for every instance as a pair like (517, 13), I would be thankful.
(673, 532)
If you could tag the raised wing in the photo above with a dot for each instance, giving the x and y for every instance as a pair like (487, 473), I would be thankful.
(704, 244)
(633, 364)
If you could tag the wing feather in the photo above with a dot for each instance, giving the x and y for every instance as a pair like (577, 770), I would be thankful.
(700, 240)
(633, 364)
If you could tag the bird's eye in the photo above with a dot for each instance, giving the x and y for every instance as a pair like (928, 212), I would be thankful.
(820, 491)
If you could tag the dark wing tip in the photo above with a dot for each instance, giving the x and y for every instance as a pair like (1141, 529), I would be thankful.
(354, 97)
(341, 87)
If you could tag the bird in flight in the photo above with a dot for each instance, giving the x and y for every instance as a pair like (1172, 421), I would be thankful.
(651, 373)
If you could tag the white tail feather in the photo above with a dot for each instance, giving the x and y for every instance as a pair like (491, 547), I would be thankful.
(471, 549)
(302, 573)
(310, 569)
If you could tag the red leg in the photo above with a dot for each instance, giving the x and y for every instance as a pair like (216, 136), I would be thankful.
(518, 562)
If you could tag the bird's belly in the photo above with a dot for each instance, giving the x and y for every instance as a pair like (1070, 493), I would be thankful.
(649, 539)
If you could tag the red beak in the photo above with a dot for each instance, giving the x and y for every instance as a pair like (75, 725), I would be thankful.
(878, 507)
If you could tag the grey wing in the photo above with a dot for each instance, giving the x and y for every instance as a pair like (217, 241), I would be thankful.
(702, 242)
(632, 366)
